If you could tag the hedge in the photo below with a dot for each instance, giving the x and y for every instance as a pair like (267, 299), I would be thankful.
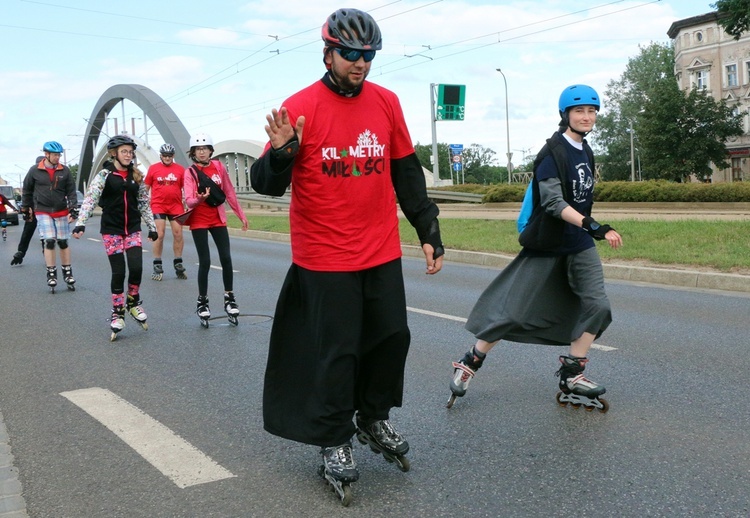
(647, 191)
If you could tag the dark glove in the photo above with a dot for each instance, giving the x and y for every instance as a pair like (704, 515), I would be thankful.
(153, 235)
(73, 212)
(432, 237)
(80, 229)
(596, 230)
(26, 211)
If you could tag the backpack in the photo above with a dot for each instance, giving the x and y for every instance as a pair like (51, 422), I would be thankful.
(537, 229)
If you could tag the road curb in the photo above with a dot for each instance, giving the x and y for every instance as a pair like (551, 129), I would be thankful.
(650, 275)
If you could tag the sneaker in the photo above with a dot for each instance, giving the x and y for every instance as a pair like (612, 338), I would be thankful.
(339, 462)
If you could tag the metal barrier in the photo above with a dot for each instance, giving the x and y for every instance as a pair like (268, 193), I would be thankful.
(283, 201)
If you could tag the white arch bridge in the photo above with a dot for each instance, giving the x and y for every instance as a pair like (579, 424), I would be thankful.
(236, 155)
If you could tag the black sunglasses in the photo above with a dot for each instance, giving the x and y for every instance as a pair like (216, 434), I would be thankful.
(354, 55)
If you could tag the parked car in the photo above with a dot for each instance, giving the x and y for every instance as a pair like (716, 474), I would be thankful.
(11, 216)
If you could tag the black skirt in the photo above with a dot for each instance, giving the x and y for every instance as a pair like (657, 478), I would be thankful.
(543, 300)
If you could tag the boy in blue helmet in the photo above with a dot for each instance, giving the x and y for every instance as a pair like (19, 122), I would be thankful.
(49, 193)
(552, 293)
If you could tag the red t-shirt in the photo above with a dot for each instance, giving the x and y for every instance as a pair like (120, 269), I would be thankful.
(205, 216)
(343, 211)
(166, 188)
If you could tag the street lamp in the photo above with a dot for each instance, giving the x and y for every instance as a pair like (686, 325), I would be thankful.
(507, 123)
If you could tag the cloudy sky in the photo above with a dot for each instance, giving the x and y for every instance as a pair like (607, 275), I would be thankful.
(223, 64)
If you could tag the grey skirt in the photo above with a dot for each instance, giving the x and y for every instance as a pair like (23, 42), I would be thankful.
(544, 300)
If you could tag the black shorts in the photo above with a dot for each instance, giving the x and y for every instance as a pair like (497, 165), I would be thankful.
(168, 217)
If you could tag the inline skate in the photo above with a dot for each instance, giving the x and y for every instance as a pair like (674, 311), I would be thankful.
(116, 322)
(203, 311)
(158, 273)
(179, 269)
(136, 311)
(67, 273)
(464, 370)
(382, 438)
(230, 306)
(52, 278)
(339, 470)
(576, 389)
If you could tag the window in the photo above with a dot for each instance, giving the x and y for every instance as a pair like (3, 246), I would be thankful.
(699, 36)
(747, 72)
(736, 169)
(731, 71)
(701, 79)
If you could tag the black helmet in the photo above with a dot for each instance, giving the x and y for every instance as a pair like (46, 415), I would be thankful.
(166, 149)
(352, 29)
(120, 140)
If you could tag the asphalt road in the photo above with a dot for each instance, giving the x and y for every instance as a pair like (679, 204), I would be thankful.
(676, 441)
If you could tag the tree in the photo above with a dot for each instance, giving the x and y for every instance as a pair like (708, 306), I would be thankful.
(675, 133)
(624, 101)
(681, 134)
(734, 16)
(424, 153)
(478, 163)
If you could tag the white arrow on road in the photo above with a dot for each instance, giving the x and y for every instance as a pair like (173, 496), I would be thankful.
(176, 458)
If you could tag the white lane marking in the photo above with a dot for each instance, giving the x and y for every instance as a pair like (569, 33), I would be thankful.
(439, 315)
(176, 458)
(463, 321)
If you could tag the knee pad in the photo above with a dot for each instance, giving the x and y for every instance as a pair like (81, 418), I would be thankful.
(49, 244)
(62, 243)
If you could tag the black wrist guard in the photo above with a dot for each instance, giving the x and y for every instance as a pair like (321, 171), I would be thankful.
(79, 229)
(152, 235)
(596, 230)
(432, 237)
(288, 150)
(73, 212)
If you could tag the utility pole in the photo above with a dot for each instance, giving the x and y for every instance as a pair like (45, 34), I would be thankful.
(435, 161)
(632, 154)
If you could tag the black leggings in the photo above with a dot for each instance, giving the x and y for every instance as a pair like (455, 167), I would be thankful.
(134, 257)
(220, 236)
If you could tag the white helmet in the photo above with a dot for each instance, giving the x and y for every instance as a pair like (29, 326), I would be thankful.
(201, 139)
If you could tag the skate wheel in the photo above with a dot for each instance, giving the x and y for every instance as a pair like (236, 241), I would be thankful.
(204, 324)
(403, 464)
(144, 326)
(113, 337)
(346, 498)
(589, 408)
(559, 400)
(605, 406)
(451, 400)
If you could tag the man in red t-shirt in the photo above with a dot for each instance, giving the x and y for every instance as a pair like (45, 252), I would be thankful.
(340, 337)
(164, 183)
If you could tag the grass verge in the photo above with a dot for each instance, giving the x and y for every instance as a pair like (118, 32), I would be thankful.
(719, 245)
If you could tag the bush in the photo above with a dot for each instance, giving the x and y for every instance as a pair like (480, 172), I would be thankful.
(648, 191)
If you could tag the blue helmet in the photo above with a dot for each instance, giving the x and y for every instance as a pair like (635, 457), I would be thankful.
(578, 95)
(52, 147)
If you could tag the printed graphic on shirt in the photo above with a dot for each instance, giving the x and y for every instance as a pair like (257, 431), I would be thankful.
(584, 184)
(170, 179)
(363, 159)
